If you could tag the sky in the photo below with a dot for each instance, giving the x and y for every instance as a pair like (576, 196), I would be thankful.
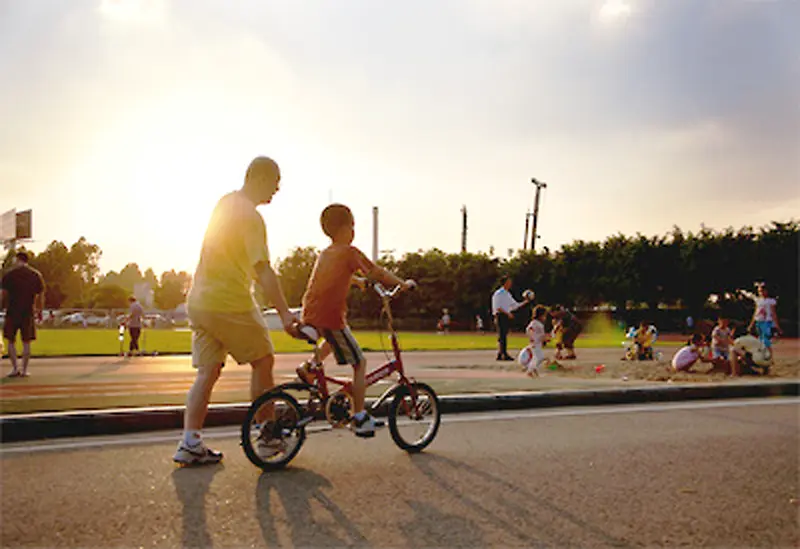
(124, 121)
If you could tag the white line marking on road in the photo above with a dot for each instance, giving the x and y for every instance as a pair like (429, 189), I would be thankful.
(234, 432)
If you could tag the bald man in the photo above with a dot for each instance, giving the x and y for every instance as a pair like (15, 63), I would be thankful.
(224, 315)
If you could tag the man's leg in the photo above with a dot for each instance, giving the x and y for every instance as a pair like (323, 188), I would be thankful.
(12, 356)
(261, 381)
(26, 356)
(502, 334)
(199, 396)
(191, 449)
(135, 334)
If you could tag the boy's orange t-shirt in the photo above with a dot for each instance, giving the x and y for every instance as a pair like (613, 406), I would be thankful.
(325, 300)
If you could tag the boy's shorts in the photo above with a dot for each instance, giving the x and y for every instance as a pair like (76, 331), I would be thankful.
(215, 335)
(344, 346)
(719, 352)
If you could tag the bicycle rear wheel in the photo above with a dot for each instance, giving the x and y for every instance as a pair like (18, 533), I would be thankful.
(272, 431)
(414, 417)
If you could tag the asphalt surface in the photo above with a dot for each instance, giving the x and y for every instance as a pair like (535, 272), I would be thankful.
(721, 474)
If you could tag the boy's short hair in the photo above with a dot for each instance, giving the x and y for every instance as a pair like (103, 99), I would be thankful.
(539, 310)
(334, 217)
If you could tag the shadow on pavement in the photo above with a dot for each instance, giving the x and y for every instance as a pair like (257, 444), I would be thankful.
(518, 512)
(430, 527)
(106, 368)
(191, 485)
(295, 489)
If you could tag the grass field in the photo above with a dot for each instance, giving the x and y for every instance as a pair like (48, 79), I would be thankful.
(105, 342)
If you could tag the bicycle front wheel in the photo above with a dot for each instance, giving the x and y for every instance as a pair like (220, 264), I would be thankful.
(414, 417)
(272, 432)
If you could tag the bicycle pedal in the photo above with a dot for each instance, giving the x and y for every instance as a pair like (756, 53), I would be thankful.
(305, 421)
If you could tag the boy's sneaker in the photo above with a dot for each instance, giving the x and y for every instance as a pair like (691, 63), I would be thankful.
(199, 454)
(305, 374)
(365, 426)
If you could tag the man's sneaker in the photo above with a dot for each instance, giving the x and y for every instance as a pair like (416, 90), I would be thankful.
(305, 374)
(267, 446)
(365, 427)
(199, 454)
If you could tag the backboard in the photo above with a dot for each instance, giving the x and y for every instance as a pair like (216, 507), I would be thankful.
(24, 225)
(8, 226)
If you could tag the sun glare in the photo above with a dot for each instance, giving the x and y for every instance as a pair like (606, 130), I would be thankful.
(132, 11)
(613, 11)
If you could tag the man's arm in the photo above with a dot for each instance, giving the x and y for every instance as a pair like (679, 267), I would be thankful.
(38, 299)
(3, 298)
(272, 290)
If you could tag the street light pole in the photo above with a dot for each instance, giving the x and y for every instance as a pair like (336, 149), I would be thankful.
(539, 186)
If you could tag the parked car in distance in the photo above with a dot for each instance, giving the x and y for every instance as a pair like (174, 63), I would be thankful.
(155, 320)
(88, 319)
(274, 321)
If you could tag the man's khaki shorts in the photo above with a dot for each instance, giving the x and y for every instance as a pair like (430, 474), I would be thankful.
(215, 335)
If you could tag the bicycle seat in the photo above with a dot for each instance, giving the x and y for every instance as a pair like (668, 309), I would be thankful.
(307, 333)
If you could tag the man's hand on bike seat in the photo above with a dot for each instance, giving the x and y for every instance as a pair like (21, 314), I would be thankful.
(305, 332)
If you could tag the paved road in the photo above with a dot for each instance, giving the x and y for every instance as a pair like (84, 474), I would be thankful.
(699, 474)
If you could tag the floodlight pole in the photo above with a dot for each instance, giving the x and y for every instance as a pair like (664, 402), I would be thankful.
(527, 223)
(539, 186)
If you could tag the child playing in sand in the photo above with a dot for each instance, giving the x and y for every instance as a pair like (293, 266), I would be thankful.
(721, 339)
(695, 349)
(537, 336)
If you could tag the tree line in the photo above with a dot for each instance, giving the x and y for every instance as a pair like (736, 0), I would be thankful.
(657, 277)
(73, 279)
(663, 278)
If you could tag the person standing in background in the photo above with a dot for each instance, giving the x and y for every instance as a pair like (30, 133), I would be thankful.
(134, 324)
(503, 307)
(23, 296)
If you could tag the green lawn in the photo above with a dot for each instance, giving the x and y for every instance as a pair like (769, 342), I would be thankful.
(106, 342)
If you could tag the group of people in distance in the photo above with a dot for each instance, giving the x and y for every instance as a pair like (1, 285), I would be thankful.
(735, 357)
(726, 354)
(564, 332)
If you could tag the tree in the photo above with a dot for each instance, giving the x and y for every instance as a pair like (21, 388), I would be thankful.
(60, 276)
(109, 296)
(172, 290)
(294, 271)
(84, 257)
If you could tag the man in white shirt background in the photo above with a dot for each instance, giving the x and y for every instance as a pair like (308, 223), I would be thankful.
(503, 307)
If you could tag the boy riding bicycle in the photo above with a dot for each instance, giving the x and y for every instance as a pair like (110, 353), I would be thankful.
(325, 306)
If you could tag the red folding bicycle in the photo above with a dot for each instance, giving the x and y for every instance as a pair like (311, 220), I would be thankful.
(274, 429)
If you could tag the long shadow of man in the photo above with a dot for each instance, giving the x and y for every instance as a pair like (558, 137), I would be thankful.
(192, 485)
(296, 489)
(541, 518)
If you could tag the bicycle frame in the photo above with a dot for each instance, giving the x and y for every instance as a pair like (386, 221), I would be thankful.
(381, 372)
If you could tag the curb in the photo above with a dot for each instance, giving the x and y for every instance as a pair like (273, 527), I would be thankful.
(27, 427)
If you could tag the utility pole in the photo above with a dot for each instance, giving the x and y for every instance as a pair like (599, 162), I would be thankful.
(374, 233)
(464, 229)
(539, 186)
